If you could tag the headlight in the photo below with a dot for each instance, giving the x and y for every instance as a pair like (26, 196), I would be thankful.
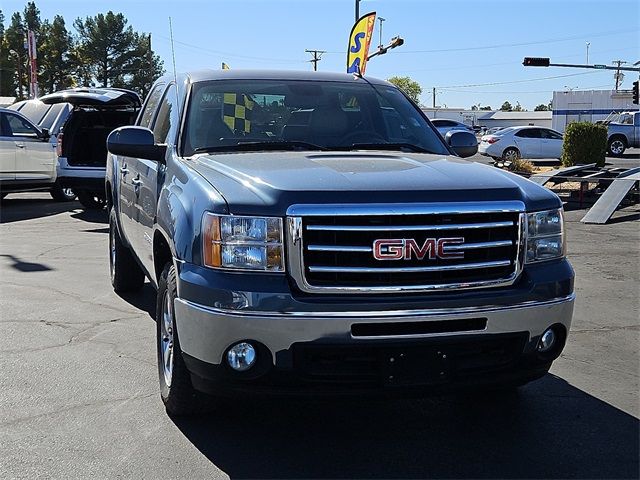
(545, 236)
(243, 243)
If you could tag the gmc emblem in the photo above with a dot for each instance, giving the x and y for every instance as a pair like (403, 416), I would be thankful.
(408, 248)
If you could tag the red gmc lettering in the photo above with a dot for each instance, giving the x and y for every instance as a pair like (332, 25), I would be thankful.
(428, 248)
(442, 245)
(406, 249)
(392, 249)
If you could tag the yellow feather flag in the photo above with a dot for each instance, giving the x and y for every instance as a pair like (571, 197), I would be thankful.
(359, 42)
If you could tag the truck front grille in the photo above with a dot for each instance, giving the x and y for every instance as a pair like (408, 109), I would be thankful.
(337, 251)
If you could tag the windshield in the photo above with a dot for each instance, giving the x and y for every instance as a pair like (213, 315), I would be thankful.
(305, 115)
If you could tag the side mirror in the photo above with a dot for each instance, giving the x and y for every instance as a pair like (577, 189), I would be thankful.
(44, 135)
(465, 144)
(136, 142)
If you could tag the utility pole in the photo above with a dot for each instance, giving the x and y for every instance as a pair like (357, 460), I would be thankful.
(434, 97)
(588, 44)
(317, 56)
(357, 10)
(618, 76)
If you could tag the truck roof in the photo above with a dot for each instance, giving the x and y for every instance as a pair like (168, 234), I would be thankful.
(210, 74)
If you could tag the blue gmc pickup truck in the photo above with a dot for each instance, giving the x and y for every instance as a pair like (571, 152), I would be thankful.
(314, 234)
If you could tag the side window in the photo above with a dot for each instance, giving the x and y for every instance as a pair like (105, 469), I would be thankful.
(20, 127)
(150, 107)
(167, 118)
(551, 134)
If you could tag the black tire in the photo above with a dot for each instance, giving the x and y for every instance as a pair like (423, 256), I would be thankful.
(511, 154)
(91, 200)
(616, 146)
(176, 390)
(126, 274)
(60, 194)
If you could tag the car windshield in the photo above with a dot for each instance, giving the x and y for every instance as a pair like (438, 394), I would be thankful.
(243, 115)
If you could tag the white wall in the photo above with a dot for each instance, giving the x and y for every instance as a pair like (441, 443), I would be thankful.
(589, 105)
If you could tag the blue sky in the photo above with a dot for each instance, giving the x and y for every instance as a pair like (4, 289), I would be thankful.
(471, 51)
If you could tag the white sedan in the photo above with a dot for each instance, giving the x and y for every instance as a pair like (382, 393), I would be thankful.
(512, 143)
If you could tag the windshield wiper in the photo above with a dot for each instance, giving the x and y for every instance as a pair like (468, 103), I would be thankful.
(387, 146)
(261, 145)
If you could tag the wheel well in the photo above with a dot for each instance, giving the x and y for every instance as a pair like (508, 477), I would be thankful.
(511, 148)
(161, 253)
(618, 137)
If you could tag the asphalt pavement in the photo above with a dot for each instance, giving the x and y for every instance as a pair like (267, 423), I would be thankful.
(79, 391)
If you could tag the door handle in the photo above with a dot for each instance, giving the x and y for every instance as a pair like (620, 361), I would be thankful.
(20, 145)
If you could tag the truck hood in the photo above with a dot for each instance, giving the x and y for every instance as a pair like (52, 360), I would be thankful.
(267, 183)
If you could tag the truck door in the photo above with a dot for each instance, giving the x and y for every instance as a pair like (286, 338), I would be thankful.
(128, 177)
(151, 174)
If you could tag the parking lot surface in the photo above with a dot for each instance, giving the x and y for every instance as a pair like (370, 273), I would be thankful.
(79, 395)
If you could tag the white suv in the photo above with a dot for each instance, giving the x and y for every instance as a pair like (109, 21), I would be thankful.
(27, 157)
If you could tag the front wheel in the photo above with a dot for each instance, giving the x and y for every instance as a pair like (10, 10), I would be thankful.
(616, 146)
(176, 390)
(91, 200)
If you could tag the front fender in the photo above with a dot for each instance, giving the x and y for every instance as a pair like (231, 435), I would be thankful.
(181, 205)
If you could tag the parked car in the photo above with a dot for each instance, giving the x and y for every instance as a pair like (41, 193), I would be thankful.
(444, 126)
(311, 233)
(623, 133)
(80, 120)
(27, 157)
(512, 143)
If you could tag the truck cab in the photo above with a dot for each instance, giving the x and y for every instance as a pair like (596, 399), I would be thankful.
(623, 133)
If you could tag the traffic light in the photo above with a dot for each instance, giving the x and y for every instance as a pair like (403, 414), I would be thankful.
(636, 100)
(535, 62)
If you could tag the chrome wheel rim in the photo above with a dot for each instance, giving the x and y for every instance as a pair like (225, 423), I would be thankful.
(617, 147)
(67, 192)
(166, 339)
(511, 155)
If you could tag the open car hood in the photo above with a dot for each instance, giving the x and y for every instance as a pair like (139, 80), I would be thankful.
(94, 97)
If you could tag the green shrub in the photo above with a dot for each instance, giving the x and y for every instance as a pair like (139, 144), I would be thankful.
(584, 143)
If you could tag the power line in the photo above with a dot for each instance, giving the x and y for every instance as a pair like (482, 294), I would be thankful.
(514, 81)
(232, 55)
(522, 44)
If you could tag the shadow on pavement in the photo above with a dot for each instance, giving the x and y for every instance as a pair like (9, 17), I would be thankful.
(93, 216)
(145, 299)
(26, 266)
(547, 430)
(17, 209)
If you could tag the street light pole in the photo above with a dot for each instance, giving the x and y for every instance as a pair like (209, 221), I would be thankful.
(380, 19)
(587, 62)
(357, 10)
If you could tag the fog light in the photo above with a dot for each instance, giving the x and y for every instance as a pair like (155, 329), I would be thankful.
(241, 356)
(547, 341)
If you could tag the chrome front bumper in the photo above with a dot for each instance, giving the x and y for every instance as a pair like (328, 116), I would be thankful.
(206, 333)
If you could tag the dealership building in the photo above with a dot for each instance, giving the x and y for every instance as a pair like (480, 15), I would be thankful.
(589, 106)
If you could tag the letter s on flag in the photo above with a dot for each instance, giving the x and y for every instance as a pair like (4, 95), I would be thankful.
(359, 42)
